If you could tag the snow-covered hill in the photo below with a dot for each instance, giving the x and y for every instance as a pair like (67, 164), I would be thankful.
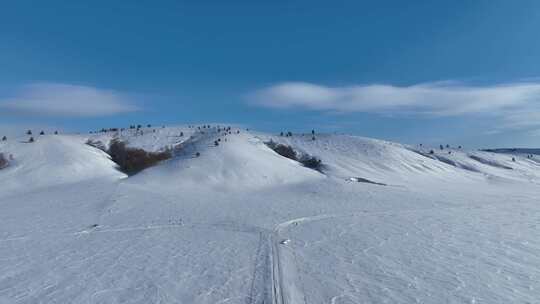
(352, 156)
(50, 161)
(343, 156)
(238, 223)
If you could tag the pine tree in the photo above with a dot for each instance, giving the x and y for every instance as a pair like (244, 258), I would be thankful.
(31, 140)
(4, 138)
(41, 133)
(29, 132)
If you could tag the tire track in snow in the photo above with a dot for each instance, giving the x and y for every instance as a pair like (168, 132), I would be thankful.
(259, 288)
(276, 263)
(280, 294)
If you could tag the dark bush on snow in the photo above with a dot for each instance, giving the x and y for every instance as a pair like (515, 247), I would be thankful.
(311, 162)
(283, 150)
(286, 151)
(306, 160)
(134, 160)
(96, 144)
(3, 161)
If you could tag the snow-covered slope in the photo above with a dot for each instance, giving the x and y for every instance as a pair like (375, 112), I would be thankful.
(239, 161)
(148, 138)
(351, 156)
(52, 160)
(392, 163)
(238, 223)
(492, 165)
(343, 157)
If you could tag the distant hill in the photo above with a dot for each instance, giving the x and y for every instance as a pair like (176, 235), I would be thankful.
(514, 151)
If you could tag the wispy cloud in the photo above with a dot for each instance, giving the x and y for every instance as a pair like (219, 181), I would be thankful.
(56, 99)
(522, 118)
(516, 105)
(443, 98)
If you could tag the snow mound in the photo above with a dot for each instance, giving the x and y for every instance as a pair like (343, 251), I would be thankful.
(345, 156)
(238, 161)
(52, 160)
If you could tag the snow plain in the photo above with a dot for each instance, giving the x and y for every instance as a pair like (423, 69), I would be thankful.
(241, 224)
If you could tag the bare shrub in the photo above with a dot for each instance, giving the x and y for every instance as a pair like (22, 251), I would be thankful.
(3, 161)
(283, 150)
(134, 160)
(311, 162)
(306, 160)
(96, 144)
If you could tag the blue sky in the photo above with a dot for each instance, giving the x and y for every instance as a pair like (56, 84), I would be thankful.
(458, 72)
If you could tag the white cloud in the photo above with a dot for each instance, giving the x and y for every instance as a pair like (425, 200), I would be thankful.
(55, 99)
(535, 132)
(443, 98)
(522, 119)
(515, 105)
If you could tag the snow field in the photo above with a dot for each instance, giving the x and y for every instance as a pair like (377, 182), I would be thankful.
(241, 224)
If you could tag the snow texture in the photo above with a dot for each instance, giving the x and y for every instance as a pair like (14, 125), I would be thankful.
(238, 223)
